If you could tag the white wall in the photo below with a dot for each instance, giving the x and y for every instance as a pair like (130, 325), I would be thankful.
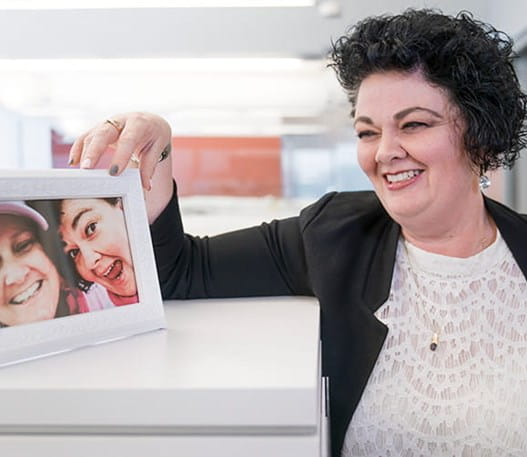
(10, 156)
(25, 141)
(509, 16)
(198, 32)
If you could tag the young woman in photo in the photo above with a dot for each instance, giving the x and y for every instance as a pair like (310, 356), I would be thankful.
(94, 234)
(32, 288)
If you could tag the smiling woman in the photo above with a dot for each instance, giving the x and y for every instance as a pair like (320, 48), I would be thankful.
(422, 284)
(412, 144)
(31, 287)
(95, 239)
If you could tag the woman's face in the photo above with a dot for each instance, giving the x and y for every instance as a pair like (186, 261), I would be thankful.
(410, 145)
(95, 237)
(29, 281)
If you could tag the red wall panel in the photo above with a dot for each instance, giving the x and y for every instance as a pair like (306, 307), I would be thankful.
(214, 165)
(227, 166)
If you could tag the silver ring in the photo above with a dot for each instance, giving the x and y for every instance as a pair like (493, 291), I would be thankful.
(165, 152)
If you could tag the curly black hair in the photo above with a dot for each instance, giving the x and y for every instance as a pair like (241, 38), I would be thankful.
(469, 59)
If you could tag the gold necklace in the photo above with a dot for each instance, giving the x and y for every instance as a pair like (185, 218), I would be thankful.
(484, 243)
(434, 341)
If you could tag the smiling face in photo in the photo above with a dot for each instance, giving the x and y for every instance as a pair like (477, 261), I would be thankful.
(29, 281)
(95, 237)
(411, 147)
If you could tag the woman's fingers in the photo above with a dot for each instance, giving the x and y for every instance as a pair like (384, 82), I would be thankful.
(76, 151)
(89, 147)
(142, 140)
(97, 143)
(130, 140)
(139, 140)
(149, 160)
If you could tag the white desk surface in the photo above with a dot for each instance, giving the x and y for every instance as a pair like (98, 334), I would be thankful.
(221, 366)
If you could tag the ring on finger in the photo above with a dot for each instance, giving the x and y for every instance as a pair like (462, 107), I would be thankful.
(116, 124)
(165, 152)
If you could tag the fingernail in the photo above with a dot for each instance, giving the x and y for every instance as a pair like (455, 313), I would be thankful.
(70, 162)
(86, 163)
(113, 170)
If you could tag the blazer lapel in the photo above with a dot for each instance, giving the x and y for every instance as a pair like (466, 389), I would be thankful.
(378, 279)
(512, 227)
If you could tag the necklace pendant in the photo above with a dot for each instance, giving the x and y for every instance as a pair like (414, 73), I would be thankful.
(435, 342)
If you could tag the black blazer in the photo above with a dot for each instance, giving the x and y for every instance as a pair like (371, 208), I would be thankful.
(341, 250)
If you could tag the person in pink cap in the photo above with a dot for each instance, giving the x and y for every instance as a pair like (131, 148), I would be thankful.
(31, 286)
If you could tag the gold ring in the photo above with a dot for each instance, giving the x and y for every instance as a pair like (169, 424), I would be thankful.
(116, 124)
(134, 159)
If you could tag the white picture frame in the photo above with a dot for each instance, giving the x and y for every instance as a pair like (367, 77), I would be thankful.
(26, 341)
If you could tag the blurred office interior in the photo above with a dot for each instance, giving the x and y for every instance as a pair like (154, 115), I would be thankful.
(255, 111)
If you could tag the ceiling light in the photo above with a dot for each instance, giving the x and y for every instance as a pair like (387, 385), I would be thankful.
(107, 4)
(151, 65)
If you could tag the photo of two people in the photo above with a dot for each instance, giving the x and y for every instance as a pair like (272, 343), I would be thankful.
(60, 257)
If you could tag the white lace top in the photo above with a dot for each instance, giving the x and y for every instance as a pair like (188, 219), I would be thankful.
(468, 397)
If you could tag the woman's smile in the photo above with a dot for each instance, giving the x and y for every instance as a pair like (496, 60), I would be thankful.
(27, 293)
(402, 179)
(114, 271)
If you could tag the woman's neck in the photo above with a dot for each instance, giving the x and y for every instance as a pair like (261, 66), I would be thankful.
(459, 235)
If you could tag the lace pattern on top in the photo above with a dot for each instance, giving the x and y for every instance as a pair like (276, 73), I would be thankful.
(469, 397)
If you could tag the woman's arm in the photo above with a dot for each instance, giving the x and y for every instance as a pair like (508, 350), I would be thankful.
(264, 260)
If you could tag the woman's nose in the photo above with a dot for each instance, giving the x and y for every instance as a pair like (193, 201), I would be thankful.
(389, 148)
(15, 273)
(91, 257)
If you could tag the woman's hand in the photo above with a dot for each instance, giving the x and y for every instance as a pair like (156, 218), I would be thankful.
(140, 140)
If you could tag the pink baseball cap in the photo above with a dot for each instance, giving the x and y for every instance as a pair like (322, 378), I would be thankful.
(19, 208)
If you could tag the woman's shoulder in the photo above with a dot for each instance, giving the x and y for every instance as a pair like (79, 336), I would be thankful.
(348, 206)
(513, 228)
(504, 213)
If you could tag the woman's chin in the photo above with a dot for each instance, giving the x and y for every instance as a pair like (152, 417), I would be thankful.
(125, 290)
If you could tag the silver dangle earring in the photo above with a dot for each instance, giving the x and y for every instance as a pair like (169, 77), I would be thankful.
(484, 182)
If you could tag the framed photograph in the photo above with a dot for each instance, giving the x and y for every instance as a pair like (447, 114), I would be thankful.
(76, 262)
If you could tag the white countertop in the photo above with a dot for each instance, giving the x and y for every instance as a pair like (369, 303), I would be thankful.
(222, 365)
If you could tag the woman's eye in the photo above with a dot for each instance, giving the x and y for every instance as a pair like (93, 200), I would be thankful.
(414, 125)
(25, 245)
(73, 253)
(365, 134)
(90, 228)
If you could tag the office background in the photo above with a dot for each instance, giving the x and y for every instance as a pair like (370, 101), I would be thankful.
(255, 111)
